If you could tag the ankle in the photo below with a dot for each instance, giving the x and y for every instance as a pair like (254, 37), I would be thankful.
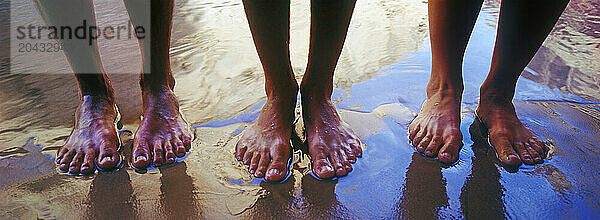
(98, 98)
(152, 88)
(493, 94)
(314, 93)
(445, 92)
(157, 82)
(98, 107)
(282, 91)
(445, 85)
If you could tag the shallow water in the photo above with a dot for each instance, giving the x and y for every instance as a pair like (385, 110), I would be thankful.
(380, 85)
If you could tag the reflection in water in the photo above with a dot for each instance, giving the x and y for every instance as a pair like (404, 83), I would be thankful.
(568, 60)
(111, 196)
(481, 196)
(424, 192)
(177, 193)
(321, 200)
(278, 201)
(219, 78)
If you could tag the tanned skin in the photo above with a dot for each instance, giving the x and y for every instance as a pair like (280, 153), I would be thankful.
(265, 146)
(522, 28)
(163, 134)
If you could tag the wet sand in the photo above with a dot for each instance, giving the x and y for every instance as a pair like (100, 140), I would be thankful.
(380, 84)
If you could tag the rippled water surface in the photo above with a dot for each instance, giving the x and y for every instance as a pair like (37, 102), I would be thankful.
(380, 84)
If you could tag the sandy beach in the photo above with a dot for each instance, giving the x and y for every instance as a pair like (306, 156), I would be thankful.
(379, 87)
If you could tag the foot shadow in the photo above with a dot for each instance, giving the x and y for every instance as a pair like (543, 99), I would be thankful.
(319, 201)
(277, 202)
(111, 196)
(424, 191)
(481, 196)
(177, 196)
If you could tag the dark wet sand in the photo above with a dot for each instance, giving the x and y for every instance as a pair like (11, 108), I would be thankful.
(380, 84)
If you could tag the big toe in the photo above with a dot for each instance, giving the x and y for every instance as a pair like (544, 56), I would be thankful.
(504, 149)
(511, 160)
(449, 152)
(323, 169)
(275, 174)
(108, 161)
(276, 171)
(141, 161)
(509, 157)
(446, 157)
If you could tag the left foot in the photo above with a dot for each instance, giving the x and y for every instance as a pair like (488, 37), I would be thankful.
(163, 134)
(332, 145)
(513, 142)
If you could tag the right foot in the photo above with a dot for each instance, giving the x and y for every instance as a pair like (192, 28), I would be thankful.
(94, 139)
(436, 129)
(265, 145)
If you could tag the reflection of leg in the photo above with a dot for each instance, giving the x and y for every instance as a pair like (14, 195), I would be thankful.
(265, 146)
(276, 202)
(177, 190)
(522, 28)
(436, 130)
(94, 137)
(333, 146)
(424, 191)
(481, 196)
(322, 200)
(111, 196)
(162, 135)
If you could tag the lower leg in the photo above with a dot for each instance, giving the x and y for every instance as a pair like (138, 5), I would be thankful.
(436, 130)
(522, 28)
(333, 146)
(160, 76)
(94, 138)
(265, 146)
(163, 134)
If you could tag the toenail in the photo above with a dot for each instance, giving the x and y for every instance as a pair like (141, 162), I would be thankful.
(325, 169)
(273, 172)
(445, 155)
(140, 158)
(258, 173)
(105, 159)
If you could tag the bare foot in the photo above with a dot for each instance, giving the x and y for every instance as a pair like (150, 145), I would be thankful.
(436, 130)
(163, 134)
(265, 145)
(507, 134)
(94, 139)
(332, 145)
